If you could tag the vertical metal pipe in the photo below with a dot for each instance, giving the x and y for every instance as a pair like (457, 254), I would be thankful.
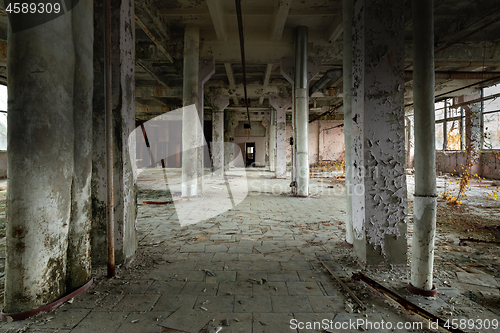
(424, 216)
(110, 228)
(302, 112)
(347, 15)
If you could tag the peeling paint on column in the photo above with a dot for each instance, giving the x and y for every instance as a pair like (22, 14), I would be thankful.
(219, 104)
(379, 180)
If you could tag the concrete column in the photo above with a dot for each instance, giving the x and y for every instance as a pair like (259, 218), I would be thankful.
(230, 123)
(125, 175)
(220, 103)
(425, 200)
(272, 142)
(191, 121)
(473, 131)
(50, 89)
(206, 71)
(378, 133)
(280, 104)
(302, 111)
(347, 15)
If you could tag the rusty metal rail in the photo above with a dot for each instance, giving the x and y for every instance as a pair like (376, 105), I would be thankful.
(403, 302)
(361, 305)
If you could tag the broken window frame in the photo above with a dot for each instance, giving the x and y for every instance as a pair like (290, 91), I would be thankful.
(448, 117)
(486, 113)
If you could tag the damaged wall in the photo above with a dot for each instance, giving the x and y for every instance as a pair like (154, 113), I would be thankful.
(325, 142)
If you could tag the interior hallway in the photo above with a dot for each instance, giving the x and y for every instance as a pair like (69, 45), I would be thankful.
(264, 255)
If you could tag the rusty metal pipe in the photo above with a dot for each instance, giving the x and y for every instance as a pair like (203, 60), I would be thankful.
(110, 227)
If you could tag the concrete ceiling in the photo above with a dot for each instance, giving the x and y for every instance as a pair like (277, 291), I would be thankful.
(467, 35)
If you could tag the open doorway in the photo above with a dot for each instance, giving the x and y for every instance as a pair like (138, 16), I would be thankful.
(250, 154)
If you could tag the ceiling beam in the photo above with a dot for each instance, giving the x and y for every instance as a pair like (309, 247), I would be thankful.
(230, 78)
(279, 20)
(158, 77)
(335, 29)
(153, 39)
(216, 9)
(267, 76)
(247, 11)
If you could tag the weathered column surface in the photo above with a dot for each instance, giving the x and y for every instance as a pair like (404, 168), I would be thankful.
(302, 111)
(123, 104)
(425, 200)
(379, 178)
(220, 103)
(190, 117)
(272, 142)
(280, 104)
(49, 115)
(347, 15)
(206, 71)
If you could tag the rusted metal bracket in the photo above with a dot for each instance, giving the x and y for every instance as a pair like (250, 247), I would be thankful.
(403, 302)
(361, 305)
(474, 240)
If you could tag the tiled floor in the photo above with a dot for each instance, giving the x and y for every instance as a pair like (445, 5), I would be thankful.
(254, 267)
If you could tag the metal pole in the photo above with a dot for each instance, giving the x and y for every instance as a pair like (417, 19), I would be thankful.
(110, 228)
(347, 13)
(302, 111)
(425, 200)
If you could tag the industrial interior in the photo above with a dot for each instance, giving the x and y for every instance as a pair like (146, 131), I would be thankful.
(250, 166)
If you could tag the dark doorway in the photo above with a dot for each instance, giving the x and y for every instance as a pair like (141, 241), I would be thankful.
(250, 154)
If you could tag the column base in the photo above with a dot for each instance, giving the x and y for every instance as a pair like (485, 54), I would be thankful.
(422, 292)
(48, 307)
(347, 244)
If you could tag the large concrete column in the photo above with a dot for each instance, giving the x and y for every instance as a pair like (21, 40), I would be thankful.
(191, 121)
(123, 105)
(280, 104)
(272, 142)
(347, 14)
(302, 111)
(377, 138)
(220, 103)
(473, 132)
(425, 200)
(206, 71)
(48, 222)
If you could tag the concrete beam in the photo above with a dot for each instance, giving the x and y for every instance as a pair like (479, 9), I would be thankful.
(230, 78)
(279, 19)
(335, 29)
(267, 76)
(154, 74)
(216, 9)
